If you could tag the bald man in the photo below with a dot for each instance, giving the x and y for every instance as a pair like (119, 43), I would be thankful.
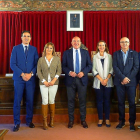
(126, 66)
(76, 64)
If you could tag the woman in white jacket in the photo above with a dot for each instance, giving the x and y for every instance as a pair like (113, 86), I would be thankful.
(102, 72)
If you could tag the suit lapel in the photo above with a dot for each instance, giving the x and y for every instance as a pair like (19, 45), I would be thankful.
(22, 51)
(53, 61)
(121, 57)
(71, 59)
(44, 62)
(82, 55)
(29, 52)
(129, 56)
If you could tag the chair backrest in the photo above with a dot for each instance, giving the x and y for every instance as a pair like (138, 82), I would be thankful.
(92, 54)
(58, 54)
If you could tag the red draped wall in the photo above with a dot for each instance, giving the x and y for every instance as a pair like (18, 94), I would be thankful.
(51, 26)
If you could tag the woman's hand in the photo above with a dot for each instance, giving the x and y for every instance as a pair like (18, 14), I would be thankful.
(52, 82)
(105, 82)
(102, 82)
(46, 84)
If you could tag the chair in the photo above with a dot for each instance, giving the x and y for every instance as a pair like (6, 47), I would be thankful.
(92, 54)
(3, 133)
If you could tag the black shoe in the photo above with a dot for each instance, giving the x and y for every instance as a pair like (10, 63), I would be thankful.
(100, 123)
(120, 125)
(132, 127)
(139, 126)
(84, 124)
(16, 127)
(108, 123)
(31, 125)
(70, 124)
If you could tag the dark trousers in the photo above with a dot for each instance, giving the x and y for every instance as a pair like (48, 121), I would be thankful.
(103, 99)
(20, 87)
(71, 92)
(131, 92)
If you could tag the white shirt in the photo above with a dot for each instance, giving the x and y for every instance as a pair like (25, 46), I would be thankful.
(25, 47)
(74, 58)
(49, 77)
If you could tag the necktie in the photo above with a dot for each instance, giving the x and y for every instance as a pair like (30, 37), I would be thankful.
(77, 63)
(26, 51)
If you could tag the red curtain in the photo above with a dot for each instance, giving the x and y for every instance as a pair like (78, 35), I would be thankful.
(51, 26)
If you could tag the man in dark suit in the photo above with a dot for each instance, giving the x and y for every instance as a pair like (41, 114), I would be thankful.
(138, 76)
(126, 66)
(23, 62)
(76, 64)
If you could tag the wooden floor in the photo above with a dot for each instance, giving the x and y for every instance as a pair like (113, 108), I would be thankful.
(61, 132)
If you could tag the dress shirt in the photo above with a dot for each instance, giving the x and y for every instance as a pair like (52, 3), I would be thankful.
(49, 77)
(25, 47)
(74, 58)
(125, 56)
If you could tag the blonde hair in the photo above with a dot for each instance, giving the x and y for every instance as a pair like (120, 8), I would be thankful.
(106, 48)
(47, 45)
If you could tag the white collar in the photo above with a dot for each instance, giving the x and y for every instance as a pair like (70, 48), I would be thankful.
(25, 45)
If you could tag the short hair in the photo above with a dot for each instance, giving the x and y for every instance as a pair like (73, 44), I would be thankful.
(106, 48)
(124, 37)
(77, 37)
(47, 45)
(25, 31)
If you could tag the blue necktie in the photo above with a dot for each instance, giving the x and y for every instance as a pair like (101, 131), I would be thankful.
(26, 51)
(77, 63)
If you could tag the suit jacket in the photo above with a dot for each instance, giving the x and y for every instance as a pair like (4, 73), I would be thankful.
(130, 69)
(67, 66)
(19, 63)
(138, 75)
(43, 70)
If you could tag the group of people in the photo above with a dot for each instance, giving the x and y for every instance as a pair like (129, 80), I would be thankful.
(76, 64)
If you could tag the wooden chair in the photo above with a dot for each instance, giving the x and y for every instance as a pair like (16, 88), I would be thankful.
(58, 54)
(92, 54)
(3, 133)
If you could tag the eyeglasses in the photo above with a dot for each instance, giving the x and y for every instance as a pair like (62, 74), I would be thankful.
(76, 41)
(124, 42)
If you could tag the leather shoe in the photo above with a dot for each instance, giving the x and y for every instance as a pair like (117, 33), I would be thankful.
(132, 127)
(84, 124)
(120, 125)
(31, 125)
(16, 127)
(70, 124)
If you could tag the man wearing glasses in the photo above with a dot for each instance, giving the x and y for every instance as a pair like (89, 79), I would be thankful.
(126, 66)
(23, 62)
